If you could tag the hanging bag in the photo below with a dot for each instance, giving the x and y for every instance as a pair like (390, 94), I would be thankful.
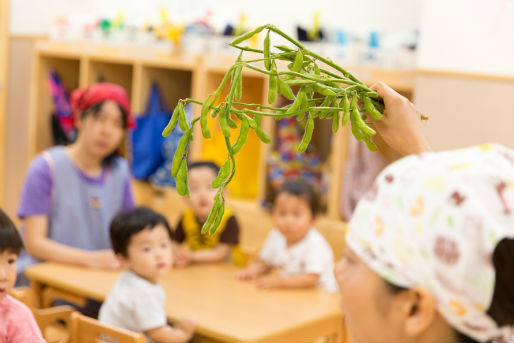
(147, 140)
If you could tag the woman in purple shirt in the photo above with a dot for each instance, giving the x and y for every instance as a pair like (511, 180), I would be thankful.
(71, 193)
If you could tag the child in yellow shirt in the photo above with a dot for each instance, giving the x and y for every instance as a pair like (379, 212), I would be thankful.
(192, 246)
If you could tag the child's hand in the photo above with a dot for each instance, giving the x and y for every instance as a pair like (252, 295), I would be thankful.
(188, 326)
(247, 274)
(104, 259)
(182, 257)
(269, 282)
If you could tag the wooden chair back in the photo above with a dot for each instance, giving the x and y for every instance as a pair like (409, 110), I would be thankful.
(88, 330)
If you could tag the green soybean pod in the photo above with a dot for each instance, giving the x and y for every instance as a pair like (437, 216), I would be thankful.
(309, 128)
(373, 95)
(300, 82)
(333, 102)
(212, 215)
(243, 134)
(346, 112)
(301, 114)
(231, 123)
(272, 88)
(215, 112)
(224, 121)
(288, 77)
(181, 178)
(260, 132)
(247, 35)
(179, 153)
(355, 129)
(182, 118)
(326, 103)
(204, 117)
(238, 82)
(251, 122)
(371, 146)
(371, 109)
(335, 122)
(285, 56)
(307, 96)
(284, 89)
(316, 70)
(324, 90)
(360, 123)
(267, 57)
(172, 123)
(222, 175)
(298, 61)
(283, 48)
(297, 102)
(187, 186)
(219, 216)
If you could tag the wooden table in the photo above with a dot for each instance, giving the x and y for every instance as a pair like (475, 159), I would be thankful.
(225, 309)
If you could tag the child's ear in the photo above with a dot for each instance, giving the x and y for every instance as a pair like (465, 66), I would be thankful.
(124, 262)
(78, 121)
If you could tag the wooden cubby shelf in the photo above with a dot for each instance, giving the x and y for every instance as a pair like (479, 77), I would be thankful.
(181, 75)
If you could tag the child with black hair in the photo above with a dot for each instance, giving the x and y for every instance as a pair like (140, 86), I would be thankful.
(299, 252)
(141, 239)
(17, 323)
(195, 247)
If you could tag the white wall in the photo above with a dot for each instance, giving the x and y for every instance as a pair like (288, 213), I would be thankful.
(474, 36)
(35, 16)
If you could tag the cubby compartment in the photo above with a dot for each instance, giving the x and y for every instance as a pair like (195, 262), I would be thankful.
(68, 70)
(283, 162)
(118, 73)
(174, 84)
(247, 182)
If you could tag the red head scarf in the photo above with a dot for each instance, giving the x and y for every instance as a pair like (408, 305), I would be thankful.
(84, 98)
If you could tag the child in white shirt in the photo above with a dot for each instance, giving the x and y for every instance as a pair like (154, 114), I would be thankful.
(141, 239)
(299, 252)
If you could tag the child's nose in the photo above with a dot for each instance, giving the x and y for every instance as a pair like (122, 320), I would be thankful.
(3, 273)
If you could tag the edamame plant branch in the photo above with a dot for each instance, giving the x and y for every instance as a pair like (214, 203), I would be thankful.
(340, 96)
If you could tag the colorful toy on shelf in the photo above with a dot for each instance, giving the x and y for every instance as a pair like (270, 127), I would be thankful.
(168, 30)
(285, 163)
(64, 130)
(240, 28)
(314, 32)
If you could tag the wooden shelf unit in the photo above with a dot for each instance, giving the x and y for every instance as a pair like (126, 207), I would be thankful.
(181, 75)
(3, 84)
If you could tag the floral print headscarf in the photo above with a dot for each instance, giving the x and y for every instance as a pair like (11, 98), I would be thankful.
(433, 220)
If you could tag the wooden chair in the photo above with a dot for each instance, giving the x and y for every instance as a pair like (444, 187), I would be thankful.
(55, 323)
(25, 295)
(88, 330)
(49, 295)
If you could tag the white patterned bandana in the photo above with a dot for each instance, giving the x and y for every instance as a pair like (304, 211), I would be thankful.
(433, 220)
